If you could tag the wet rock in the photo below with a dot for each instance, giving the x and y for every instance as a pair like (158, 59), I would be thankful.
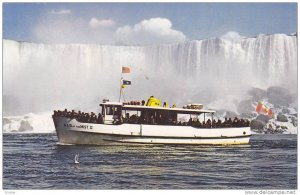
(245, 107)
(282, 118)
(285, 111)
(25, 126)
(277, 106)
(257, 125)
(294, 121)
(263, 118)
(296, 114)
(270, 128)
(279, 95)
(278, 131)
(254, 114)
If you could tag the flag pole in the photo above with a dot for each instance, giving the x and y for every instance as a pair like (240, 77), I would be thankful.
(121, 84)
(120, 93)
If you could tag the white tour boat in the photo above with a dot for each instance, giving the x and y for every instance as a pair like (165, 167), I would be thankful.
(147, 123)
(150, 125)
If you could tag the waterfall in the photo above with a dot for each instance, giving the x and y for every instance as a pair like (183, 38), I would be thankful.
(44, 77)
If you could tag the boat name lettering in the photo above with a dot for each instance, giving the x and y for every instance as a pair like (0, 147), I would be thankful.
(79, 126)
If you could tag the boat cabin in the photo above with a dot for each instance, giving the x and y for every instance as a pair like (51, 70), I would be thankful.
(118, 113)
(111, 111)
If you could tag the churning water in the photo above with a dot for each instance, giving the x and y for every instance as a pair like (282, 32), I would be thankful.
(37, 161)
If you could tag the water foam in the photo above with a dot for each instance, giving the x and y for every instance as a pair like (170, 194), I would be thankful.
(29, 123)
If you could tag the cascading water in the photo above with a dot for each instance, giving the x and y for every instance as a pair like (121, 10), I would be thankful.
(40, 78)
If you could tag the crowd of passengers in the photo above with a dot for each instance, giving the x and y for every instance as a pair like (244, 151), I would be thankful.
(134, 119)
(195, 122)
(83, 117)
(236, 122)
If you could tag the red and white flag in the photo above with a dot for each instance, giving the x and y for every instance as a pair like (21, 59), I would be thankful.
(263, 109)
(125, 69)
(258, 107)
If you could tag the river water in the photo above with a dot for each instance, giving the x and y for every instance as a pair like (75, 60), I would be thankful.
(37, 161)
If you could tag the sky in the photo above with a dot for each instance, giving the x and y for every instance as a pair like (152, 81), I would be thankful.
(143, 23)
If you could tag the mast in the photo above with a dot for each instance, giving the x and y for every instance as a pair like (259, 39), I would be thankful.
(123, 82)
(121, 85)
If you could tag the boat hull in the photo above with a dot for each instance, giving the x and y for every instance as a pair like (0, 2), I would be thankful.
(70, 131)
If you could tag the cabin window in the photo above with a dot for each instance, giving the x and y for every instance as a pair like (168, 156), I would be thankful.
(109, 110)
(118, 110)
(103, 110)
(112, 110)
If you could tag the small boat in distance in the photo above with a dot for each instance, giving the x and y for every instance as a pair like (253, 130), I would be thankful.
(76, 159)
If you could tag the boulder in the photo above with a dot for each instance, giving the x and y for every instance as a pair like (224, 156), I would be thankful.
(263, 118)
(277, 106)
(257, 125)
(282, 118)
(285, 111)
(294, 121)
(270, 127)
(25, 126)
